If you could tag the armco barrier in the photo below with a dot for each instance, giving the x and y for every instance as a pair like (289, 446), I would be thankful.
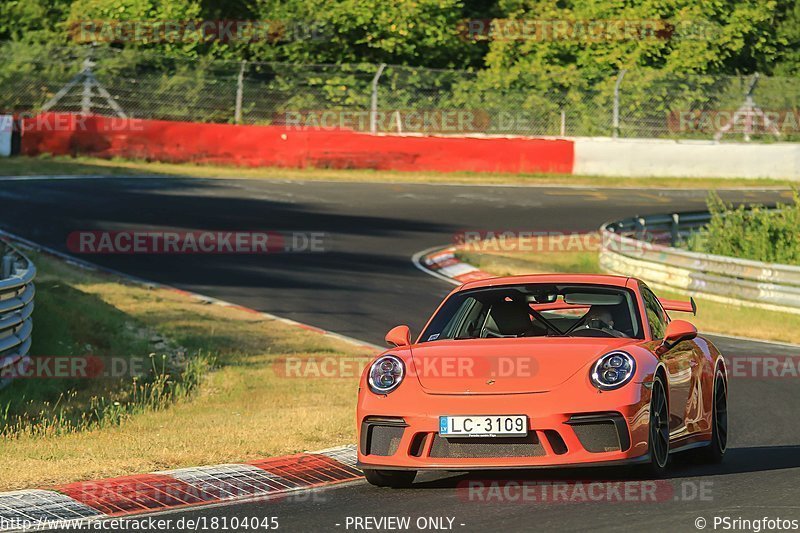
(16, 305)
(633, 247)
(161, 140)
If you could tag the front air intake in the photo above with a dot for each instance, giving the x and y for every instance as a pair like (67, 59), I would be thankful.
(601, 432)
(381, 436)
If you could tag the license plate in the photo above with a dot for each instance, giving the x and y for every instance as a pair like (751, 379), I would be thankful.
(483, 426)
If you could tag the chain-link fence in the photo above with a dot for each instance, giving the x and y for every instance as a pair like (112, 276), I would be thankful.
(398, 99)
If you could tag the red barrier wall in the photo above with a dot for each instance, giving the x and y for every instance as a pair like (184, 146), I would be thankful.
(161, 140)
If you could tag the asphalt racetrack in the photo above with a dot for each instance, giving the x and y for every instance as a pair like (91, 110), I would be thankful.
(364, 283)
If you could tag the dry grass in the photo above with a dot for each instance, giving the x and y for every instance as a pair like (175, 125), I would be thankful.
(711, 316)
(240, 411)
(45, 165)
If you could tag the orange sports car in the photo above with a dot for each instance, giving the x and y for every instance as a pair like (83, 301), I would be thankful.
(542, 371)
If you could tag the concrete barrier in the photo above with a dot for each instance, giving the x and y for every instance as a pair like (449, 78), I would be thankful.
(685, 159)
(6, 130)
(282, 146)
(172, 141)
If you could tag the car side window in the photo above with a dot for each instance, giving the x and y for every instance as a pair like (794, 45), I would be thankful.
(656, 316)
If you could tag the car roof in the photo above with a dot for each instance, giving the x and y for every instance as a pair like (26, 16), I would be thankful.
(590, 279)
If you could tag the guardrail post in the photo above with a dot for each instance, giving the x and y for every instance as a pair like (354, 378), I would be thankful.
(675, 228)
(641, 228)
(8, 266)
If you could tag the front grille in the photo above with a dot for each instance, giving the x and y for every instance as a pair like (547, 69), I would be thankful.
(478, 448)
(384, 440)
(598, 437)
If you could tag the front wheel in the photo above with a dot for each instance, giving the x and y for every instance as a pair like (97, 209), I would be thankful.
(396, 479)
(659, 430)
(715, 451)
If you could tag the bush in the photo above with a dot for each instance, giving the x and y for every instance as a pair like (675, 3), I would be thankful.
(758, 233)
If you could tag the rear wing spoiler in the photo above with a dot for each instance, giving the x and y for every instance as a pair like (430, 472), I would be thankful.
(679, 305)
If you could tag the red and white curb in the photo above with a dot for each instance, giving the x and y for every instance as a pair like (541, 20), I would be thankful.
(173, 489)
(441, 262)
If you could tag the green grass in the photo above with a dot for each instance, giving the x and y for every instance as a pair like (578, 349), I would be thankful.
(211, 394)
(47, 165)
(53, 406)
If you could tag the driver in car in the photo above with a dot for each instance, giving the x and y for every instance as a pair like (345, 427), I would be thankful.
(599, 317)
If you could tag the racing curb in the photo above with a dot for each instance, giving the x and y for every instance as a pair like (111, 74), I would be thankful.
(442, 263)
(67, 505)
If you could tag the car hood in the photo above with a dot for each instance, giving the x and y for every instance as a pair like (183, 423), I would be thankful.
(505, 366)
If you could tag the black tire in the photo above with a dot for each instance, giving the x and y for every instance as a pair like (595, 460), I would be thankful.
(715, 451)
(396, 479)
(659, 431)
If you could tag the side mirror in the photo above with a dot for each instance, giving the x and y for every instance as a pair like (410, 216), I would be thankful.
(677, 331)
(399, 336)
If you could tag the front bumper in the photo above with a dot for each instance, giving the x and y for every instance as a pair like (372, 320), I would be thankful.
(592, 430)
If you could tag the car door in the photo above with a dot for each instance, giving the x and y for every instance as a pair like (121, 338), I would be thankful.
(679, 361)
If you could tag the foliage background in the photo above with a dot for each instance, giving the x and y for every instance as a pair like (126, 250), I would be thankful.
(702, 59)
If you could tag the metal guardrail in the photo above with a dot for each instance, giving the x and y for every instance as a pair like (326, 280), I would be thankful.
(16, 306)
(644, 247)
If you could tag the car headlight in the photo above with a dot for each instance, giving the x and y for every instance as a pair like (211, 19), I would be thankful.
(613, 370)
(385, 374)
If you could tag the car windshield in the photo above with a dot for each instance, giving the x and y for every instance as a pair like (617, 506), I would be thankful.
(537, 310)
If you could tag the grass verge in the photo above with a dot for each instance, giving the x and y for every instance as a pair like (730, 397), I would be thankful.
(217, 393)
(711, 316)
(47, 165)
